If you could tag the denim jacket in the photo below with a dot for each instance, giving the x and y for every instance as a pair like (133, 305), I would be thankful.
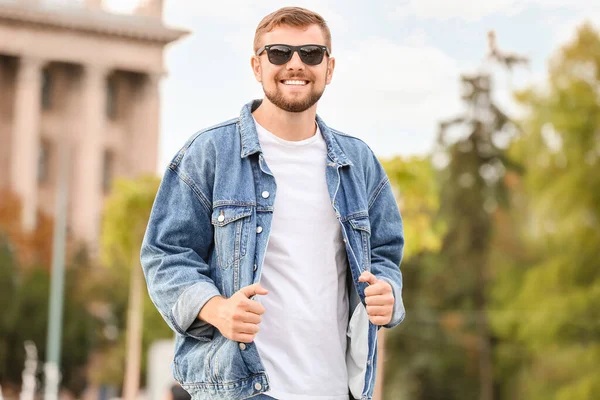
(204, 239)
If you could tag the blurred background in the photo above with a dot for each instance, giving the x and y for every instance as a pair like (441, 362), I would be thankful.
(485, 115)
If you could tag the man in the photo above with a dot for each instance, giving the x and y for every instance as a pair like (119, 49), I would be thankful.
(274, 243)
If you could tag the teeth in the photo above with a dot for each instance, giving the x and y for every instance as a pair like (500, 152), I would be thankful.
(294, 83)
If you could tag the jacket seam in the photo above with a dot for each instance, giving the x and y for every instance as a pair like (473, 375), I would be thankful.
(224, 385)
(175, 324)
(378, 191)
(362, 214)
(182, 152)
(340, 133)
(190, 183)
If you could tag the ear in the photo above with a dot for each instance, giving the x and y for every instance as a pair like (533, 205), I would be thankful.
(256, 68)
(330, 68)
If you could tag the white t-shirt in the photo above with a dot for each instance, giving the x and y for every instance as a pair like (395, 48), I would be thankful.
(302, 337)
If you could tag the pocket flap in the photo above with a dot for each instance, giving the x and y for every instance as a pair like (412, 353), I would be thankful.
(223, 215)
(361, 224)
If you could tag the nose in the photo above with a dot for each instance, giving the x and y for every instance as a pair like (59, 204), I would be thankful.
(295, 63)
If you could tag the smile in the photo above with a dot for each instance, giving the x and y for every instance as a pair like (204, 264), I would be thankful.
(295, 82)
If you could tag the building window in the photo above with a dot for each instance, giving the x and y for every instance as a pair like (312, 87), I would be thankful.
(111, 98)
(44, 162)
(108, 170)
(46, 89)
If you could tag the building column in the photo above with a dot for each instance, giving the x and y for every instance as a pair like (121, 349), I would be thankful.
(26, 139)
(147, 126)
(150, 8)
(87, 190)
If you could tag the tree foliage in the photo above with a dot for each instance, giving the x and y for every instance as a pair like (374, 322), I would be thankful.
(552, 309)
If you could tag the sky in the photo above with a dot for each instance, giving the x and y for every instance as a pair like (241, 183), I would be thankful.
(398, 62)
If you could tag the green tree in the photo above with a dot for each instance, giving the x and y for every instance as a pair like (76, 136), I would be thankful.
(553, 313)
(474, 190)
(125, 218)
(25, 317)
(417, 192)
(423, 361)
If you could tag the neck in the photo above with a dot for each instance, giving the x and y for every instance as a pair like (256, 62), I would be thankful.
(286, 125)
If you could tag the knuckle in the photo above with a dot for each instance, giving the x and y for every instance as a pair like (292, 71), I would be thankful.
(237, 327)
(243, 304)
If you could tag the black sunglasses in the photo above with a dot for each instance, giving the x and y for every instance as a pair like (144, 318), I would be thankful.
(279, 54)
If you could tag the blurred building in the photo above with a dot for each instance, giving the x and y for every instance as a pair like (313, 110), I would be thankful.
(74, 76)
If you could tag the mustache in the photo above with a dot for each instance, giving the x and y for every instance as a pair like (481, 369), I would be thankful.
(294, 77)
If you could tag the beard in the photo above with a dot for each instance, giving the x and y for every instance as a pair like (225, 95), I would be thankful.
(295, 105)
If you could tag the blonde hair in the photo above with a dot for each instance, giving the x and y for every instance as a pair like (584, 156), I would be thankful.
(297, 17)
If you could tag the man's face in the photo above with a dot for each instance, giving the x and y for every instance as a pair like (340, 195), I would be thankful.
(277, 79)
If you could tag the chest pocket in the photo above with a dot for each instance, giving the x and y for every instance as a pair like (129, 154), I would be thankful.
(232, 224)
(361, 239)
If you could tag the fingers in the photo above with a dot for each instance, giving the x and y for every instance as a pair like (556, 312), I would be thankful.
(379, 288)
(243, 338)
(380, 300)
(379, 320)
(254, 307)
(368, 277)
(381, 311)
(252, 318)
(249, 291)
(240, 315)
(245, 328)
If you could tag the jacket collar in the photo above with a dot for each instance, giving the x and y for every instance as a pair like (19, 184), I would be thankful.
(251, 145)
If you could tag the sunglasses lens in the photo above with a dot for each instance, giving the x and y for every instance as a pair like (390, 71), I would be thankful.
(279, 55)
(311, 55)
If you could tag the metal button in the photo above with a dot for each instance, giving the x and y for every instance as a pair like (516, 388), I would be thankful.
(221, 218)
(265, 194)
(259, 229)
(257, 386)
(255, 267)
(242, 346)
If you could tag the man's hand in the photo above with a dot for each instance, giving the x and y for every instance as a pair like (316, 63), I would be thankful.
(379, 298)
(237, 317)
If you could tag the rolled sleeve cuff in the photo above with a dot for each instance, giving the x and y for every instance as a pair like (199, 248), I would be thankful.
(399, 312)
(185, 312)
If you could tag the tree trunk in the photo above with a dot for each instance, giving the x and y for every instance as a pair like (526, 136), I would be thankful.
(486, 369)
(135, 312)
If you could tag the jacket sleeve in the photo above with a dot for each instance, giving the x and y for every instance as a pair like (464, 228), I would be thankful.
(387, 243)
(174, 254)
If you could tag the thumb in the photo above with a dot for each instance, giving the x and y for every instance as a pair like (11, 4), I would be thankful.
(368, 277)
(249, 291)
